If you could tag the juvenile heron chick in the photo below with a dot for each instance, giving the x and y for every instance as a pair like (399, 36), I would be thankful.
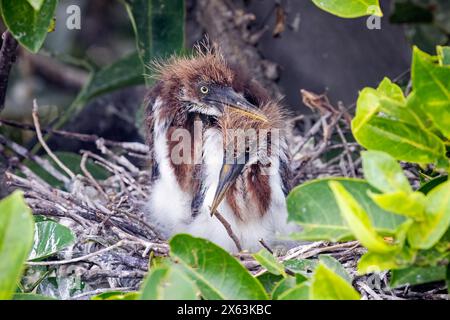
(193, 103)
(246, 181)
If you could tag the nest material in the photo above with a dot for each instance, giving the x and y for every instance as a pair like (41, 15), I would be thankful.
(113, 240)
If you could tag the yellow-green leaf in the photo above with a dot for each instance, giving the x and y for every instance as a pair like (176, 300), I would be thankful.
(270, 262)
(383, 172)
(326, 285)
(377, 262)
(358, 220)
(16, 240)
(425, 234)
(431, 83)
(168, 283)
(350, 8)
(410, 205)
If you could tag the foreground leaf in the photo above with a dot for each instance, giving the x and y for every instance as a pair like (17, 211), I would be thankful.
(270, 262)
(16, 239)
(431, 83)
(168, 283)
(31, 296)
(410, 205)
(377, 262)
(383, 172)
(425, 234)
(28, 24)
(216, 273)
(417, 275)
(49, 238)
(335, 266)
(350, 8)
(326, 285)
(358, 220)
(313, 206)
(117, 295)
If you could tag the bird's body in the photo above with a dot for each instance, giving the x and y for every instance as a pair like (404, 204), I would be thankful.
(184, 192)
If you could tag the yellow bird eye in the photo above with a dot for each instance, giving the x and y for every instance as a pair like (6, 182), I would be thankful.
(204, 89)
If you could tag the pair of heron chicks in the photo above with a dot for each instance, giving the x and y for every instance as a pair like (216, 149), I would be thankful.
(244, 173)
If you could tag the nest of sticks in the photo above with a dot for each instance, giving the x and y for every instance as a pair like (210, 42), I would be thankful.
(114, 242)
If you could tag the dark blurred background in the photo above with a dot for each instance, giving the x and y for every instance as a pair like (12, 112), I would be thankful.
(288, 45)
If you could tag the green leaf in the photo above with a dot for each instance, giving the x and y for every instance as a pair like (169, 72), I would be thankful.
(117, 295)
(443, 55)
(217, 274)
(431, 83)
(350, 8)
(298, 292)
(410, 205)
(335, 266)
(125, 72)
(377, 262)
(26, 23)
(49, 238)
(425, 234)
(313, 206)
(269, 281)
(36, 4)
(16, 239)
(159, 27)
(358, 220)
(327, 285)
(270, 262)
(168, 283)
(384, 172)
(412, 143)
(301, 266)
(282, 286)
(433, 183)
(31, 296)
(417, 275)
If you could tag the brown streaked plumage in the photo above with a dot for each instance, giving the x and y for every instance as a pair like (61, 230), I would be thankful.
(205, 89)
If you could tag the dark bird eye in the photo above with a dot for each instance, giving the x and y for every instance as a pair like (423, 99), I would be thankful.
(204, 89)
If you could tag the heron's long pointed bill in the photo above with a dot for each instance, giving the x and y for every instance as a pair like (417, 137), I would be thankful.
(228, 97)
(228, 175)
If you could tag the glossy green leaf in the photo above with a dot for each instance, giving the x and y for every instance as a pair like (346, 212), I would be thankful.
(433, 183)
(159, 27)
(270, 262)
(49, 238)
(117, 295)
(411, 142)
(282, 286)
(216, 273)
(16, 240)
(410, 205)
(327, 285)
(335, 266)
(269, 280)
(26, 23)
(350, 8)
(36, 4)
(298, 292)
(384, 172)
(125, 72)
(377, 262)
(300, 265)
(425, 234)
(313, 206)
(358, 220)
(444, 55)
(168, 283)
(431, 83)
(31, 296)
(417, 275)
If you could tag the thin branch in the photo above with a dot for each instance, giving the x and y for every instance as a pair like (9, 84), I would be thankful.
(44, 144)
(230, 232)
